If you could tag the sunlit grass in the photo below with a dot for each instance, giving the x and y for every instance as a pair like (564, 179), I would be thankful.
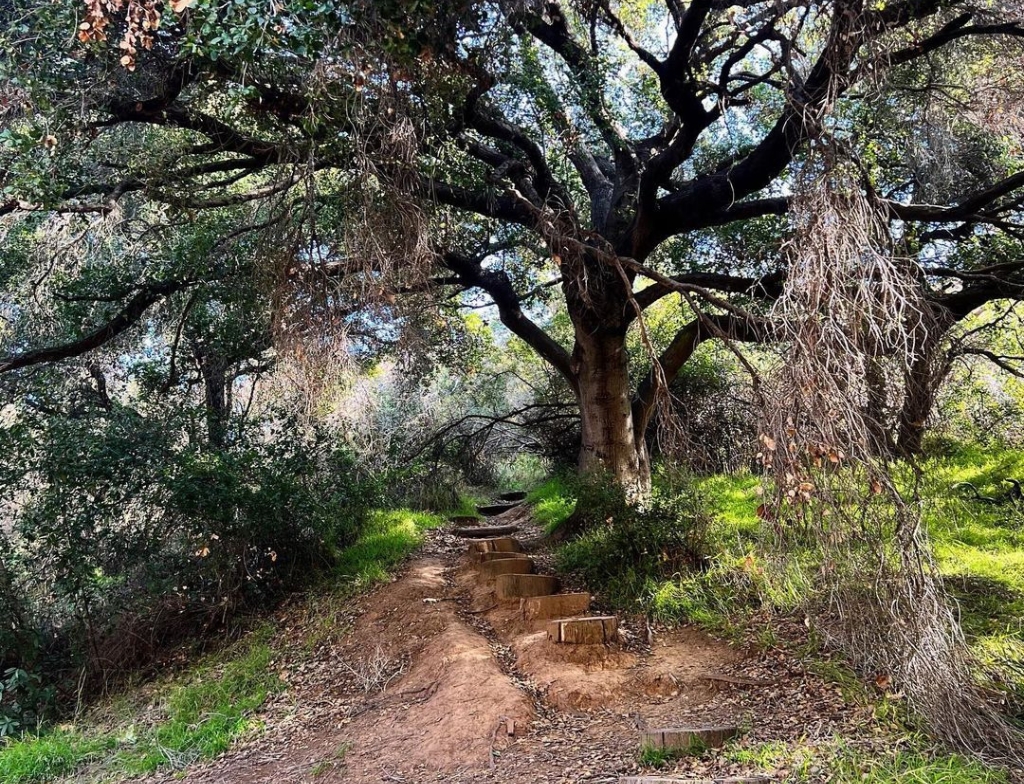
(912, 762)
(979, 547)
(200, 715)
(389, 537)
(552, 502)
(48, 757)
(732, 499)
(903, 766)
(207, 711)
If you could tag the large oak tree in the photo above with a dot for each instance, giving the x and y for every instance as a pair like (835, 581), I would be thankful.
(615, 152)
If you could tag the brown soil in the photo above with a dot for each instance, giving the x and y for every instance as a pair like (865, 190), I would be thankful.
(437, 681)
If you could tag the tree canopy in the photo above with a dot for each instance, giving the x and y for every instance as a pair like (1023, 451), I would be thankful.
(378, 157)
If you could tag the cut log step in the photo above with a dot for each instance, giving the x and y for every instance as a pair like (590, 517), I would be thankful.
(561, 605)
(501, 544)
(596, 630)
(505, 566)
(687, 739)
(518, 586)
(495, 509)
(512, 496)
(485, 531)
(495, 555)
(665, 780)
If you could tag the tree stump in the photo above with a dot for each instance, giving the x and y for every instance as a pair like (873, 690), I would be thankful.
(562, 605)
(501, 544)
(518, 586)
(485, 531)
(597, 630)
(495, 509)
(495, 555)
(687, 739)
(500, 566)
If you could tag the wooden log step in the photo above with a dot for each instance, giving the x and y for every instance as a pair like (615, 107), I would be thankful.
(669, 780)
(505, 566)
(495, 509)
(561, 605)
(495, 555)
(687, 739)
(518, 586)
(595, 630)
(513, 496)
(501, 544)
(485, 531)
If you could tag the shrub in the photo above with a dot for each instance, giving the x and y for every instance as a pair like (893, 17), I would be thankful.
(626, 551)
(133, 533)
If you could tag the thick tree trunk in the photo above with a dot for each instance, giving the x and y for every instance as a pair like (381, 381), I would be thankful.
(610, 443)
(216, 391)
(923, 381)
(877, 413)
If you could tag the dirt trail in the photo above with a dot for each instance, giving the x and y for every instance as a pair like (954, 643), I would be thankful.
(473, 694)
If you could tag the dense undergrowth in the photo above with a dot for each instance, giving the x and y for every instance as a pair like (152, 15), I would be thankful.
(199, 712)
(643, 562)
(127, 536)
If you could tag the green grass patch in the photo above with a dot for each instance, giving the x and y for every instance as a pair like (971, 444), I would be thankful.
(388, 539)
(732, 500)
(553, 502)
(211, 709)
(980, 549)
(912, 767)
(466, 507)
(48, 757)
(911, 761)
(652, 757)
(199, 718)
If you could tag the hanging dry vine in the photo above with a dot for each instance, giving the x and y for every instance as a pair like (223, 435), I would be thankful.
(850, 311)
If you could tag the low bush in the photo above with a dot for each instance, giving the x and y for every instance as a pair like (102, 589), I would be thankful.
(626, 552)
(131, 535)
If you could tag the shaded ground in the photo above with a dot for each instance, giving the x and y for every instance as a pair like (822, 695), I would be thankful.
(433, 682)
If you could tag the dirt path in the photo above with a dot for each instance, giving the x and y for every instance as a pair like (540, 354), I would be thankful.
(434, 682)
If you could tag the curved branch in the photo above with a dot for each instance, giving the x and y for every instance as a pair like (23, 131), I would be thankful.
(766, 287)
(679, 351)
(558, 37)
(497, 284)
(125, 318)
(706, 199)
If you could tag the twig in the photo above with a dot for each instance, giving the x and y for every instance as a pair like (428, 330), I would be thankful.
(494, 738)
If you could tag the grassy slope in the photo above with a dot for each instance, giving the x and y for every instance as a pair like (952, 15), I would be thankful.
(198, 714)
(979, 547)
(980, 550)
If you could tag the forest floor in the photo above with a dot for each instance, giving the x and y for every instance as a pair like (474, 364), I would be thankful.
(428, 678)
